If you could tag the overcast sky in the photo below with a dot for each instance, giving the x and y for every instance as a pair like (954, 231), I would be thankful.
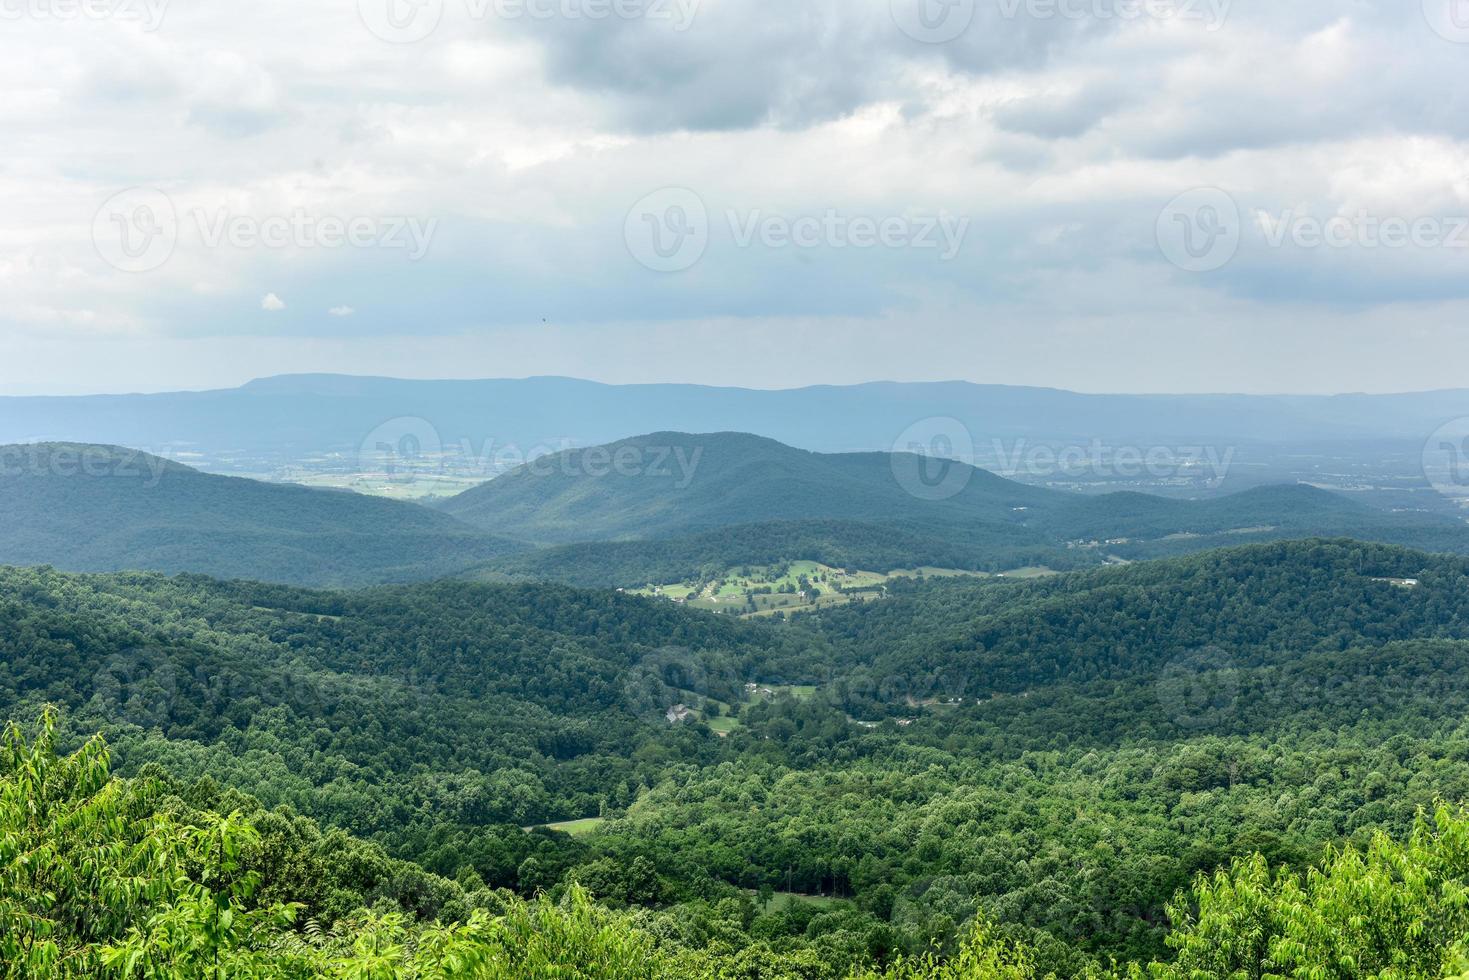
(1106, 195)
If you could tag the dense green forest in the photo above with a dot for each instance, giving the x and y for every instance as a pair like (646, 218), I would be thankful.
(102, 508)
(102, 877)
(657, 509)
(673, 507)
(1022, 776)
(877, 547)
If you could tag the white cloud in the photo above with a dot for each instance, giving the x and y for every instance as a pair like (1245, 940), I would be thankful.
(1059, 137)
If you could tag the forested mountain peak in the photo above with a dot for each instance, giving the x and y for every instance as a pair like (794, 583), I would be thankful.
(1092, 740)
(101, 508)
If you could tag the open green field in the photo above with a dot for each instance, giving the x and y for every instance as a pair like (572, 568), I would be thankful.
(722, 725)
(1037, 571)
(784, 900)
(576, 828)
(765, 590)
(418, 487)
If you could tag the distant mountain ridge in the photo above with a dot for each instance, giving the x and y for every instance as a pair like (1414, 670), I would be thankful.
(667, 483)
(104, 508)
(737, 498)
(306, 413)
(660, 507)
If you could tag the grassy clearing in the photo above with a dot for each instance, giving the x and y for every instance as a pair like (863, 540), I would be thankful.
(418, 487)
(783, 900)
(765, 590)
(1037, 571)
(576, 828)
(723, 725)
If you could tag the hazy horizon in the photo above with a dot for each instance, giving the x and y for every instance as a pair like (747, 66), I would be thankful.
(1095, 195)
(46, 392)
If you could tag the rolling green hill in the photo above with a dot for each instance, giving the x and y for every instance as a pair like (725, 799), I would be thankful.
(872, 546)
(660, 507)
(102, 508)
(1057, 757)
(667, 483)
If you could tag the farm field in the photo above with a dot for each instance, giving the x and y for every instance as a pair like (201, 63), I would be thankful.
(767, 590)
(576, 828)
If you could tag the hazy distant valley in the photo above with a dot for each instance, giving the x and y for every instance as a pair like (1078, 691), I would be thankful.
(412, 439)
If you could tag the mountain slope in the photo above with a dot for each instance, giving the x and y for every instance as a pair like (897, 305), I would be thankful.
(669, 483)
(305, 414)
(1100, 766)
(869, 546)
(675, 486)
(102, 508)
(523, 701)
(1252, 606)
